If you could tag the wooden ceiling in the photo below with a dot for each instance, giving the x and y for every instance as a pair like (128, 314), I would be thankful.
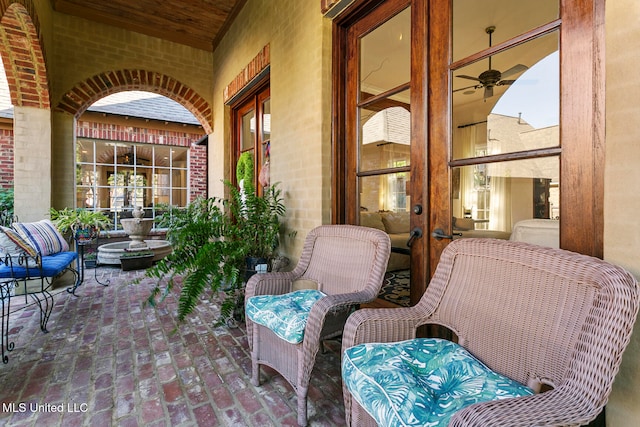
(196, 23)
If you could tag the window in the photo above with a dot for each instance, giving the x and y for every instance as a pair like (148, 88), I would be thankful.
(114, 177)
(505, 106)
(252, 130)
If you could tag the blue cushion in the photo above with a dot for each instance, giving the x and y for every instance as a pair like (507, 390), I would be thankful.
(51, 266)
(421, 382)
(286, 315)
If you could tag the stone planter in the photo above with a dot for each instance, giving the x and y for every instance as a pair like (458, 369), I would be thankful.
(136, 262)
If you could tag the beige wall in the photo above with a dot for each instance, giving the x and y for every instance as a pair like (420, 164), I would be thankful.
(622, 179)
(300, 46)
(32, 162)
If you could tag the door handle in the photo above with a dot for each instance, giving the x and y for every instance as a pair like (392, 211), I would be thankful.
(438, 234)
(416, 233)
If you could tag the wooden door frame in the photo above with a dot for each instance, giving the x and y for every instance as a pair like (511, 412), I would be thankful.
(582, 119)
(344, 155)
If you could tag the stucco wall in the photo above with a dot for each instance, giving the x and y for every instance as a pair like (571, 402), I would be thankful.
(622, 176)
(300, 47)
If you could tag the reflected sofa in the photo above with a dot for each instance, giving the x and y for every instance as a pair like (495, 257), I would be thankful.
(396, 225)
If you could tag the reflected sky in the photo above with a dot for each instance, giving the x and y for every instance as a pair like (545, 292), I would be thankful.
(535, 94)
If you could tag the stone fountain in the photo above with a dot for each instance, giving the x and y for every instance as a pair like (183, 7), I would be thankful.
(137, 228)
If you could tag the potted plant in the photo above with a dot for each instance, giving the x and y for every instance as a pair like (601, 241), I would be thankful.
(211, 239)
(81, 224)
(90, 259)
(257, 223)
(136, 260)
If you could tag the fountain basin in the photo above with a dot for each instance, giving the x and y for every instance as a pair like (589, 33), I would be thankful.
(110, 252)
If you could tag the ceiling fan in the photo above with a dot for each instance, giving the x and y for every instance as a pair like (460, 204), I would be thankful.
(490, 78)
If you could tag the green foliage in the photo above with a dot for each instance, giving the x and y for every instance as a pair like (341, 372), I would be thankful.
(6, 206)
(257, 219)
(70, 220)
(6, 199)
(211, 239)
(244, 168)
(201, 256)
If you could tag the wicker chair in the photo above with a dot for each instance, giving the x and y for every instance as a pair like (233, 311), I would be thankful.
(348, 264)
(547, 318)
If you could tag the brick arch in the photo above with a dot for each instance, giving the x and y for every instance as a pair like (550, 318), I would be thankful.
(22, 55)
(84, 94)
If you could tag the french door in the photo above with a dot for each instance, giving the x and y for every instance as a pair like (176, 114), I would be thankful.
(502, 101)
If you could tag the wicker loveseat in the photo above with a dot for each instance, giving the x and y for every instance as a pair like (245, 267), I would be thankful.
(555, 321)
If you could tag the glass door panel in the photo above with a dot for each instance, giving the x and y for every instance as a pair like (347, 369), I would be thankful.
(247, 130)
(385, 134)
(505, 118)
(510, 19)
(517, 114)
(385, 56)
(385, 193)
(489, 199)
(383, 139)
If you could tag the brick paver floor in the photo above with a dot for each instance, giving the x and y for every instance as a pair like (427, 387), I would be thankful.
(108, 361)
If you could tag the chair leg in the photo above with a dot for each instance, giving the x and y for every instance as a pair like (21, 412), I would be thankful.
(302, 407)
(255, 372)
(5, 301)
(255, 366)
(46, 306)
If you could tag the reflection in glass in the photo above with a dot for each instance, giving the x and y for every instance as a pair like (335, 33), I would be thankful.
(385, 134)
(385, 56)
(510, 18)
(247, 131)
(386, 140)
(522, 114)
(496, 196)
(266, 120)
(386, 192)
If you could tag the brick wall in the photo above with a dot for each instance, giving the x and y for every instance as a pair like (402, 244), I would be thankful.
(117, 132)
(84, 49)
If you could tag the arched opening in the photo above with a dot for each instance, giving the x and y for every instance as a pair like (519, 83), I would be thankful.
(137, 149)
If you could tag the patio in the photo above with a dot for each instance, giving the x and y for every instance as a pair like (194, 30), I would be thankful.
(109, 361)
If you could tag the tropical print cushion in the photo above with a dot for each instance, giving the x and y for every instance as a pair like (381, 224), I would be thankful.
(421, 382)
(286, 315)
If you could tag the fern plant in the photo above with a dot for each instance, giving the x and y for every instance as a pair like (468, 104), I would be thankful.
(211, 239)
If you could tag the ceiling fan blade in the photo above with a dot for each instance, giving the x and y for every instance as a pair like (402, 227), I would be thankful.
(468, 77)
(505, 83)
(488, 92)
(515, 70)
(468, 87)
